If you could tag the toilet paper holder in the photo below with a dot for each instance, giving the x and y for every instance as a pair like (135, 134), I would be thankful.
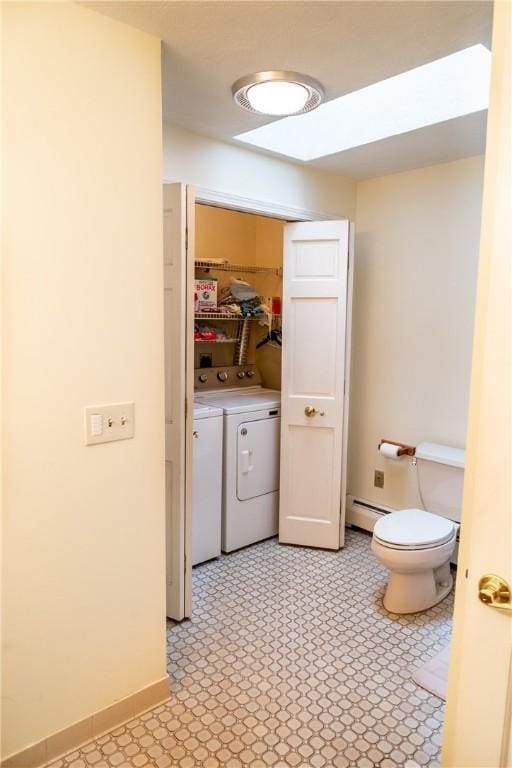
(404, 449)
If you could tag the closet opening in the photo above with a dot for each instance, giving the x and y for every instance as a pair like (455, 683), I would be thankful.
(237, 296)
(257, 339)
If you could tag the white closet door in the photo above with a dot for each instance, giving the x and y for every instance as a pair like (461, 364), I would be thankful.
(179, 395)
(315, 289)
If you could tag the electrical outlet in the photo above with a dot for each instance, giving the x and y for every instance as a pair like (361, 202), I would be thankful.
(378, 478)
(205, 360)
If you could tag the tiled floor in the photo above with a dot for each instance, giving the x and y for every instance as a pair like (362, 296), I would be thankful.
(289, 660)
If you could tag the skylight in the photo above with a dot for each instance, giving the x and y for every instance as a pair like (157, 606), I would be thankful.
(450, 87)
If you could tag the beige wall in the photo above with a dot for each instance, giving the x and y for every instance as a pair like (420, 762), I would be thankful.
(221, 167)
(417, 237)
(416, 254)
(84, 572)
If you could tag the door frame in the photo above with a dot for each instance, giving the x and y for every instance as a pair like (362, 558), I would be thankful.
(226, 200)
(218, 199)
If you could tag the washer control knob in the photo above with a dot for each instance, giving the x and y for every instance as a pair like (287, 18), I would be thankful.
(203, 378)
(222, 376)
(241, 374)
(250, 374)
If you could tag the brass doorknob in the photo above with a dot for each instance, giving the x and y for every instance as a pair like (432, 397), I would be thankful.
(495, 592)
(310, 411)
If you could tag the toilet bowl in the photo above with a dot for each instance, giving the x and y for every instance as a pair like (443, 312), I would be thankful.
(416, 547)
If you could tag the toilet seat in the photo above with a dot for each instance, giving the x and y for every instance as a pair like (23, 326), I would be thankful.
(411, 529)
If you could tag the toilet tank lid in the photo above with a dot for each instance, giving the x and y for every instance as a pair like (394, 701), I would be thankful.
(442, 454)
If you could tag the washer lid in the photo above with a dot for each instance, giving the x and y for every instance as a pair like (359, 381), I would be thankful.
(244, 401)
(413, 527)
(203, 411)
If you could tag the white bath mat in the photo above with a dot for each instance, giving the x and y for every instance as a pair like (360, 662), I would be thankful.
(433, 676)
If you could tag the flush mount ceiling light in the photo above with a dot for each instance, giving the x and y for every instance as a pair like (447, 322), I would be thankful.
(444, 89)
(277, 93)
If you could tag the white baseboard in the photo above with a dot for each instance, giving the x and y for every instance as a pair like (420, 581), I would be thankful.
(91, 727)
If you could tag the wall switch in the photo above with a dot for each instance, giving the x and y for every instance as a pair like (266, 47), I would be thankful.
(378, 478)
(106, 423)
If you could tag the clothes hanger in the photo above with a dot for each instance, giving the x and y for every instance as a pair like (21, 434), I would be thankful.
(272, 336)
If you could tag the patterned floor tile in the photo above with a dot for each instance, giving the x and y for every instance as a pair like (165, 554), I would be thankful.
(290, 660)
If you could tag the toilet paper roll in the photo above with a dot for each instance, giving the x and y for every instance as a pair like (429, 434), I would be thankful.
(389, 450)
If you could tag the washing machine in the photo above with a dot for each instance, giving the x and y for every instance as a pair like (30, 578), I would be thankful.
(250, 473)
(207, 482)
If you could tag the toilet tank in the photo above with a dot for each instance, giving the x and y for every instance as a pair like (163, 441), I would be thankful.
(441, 478)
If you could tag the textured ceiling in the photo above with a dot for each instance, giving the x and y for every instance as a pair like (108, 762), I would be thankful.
(345, 45)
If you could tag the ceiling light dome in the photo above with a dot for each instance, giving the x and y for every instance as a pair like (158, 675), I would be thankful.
(277, 93)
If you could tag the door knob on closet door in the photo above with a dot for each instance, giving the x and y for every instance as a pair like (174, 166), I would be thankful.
(495, 592)
(310, 411)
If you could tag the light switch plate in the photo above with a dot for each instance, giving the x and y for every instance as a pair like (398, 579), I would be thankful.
(106, 423)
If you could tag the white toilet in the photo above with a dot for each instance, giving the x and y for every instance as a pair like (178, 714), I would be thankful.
(416, 545)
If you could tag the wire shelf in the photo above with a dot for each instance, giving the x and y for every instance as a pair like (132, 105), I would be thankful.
(216, 316)
(215, 341)
(225, 266)
(236, 318)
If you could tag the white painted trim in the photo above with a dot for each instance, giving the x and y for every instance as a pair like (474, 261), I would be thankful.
(348, 373)
(178, 335)
(190, 246)
(262, 207)
(232, 202)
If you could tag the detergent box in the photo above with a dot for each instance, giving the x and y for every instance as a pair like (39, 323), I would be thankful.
(205, 294)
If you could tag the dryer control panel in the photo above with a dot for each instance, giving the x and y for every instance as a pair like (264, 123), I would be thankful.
(226, 377)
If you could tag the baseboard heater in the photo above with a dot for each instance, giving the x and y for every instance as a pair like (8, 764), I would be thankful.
(364, 514)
